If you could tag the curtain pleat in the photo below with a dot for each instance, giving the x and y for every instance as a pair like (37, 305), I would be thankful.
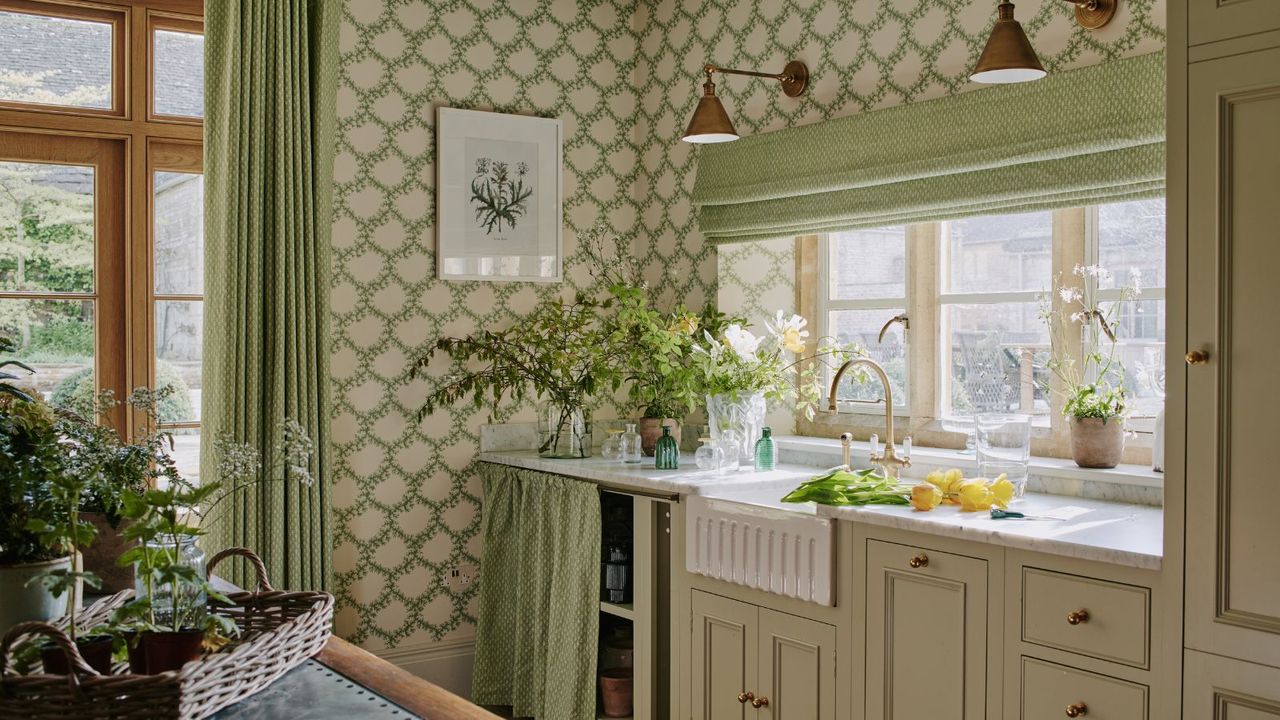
(538, 611)
(270, 82)
(1080, 137)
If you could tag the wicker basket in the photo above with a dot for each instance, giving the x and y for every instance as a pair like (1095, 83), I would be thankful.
(278, 630)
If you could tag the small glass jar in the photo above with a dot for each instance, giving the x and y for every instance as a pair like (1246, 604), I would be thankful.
(191, 599)
(667, 454)
(631, 453)
(710, 456)
(730, 445)
(611, 448)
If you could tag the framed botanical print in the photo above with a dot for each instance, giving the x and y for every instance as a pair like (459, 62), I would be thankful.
(498, 196)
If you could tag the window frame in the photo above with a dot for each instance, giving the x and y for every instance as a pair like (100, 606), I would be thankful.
(1076, 240)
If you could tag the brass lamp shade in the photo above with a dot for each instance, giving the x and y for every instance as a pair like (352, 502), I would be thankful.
(1008, 56)
(710, 122)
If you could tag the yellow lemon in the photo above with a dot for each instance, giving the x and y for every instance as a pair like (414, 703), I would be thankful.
(925, 497)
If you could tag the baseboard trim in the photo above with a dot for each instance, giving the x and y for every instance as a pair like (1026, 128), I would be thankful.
(447, 664)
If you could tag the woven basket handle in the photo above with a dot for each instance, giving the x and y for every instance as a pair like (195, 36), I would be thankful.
(259, 569)
(59, 638)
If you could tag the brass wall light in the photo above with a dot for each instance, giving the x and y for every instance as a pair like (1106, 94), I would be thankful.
(710, 122)
(1009, 57)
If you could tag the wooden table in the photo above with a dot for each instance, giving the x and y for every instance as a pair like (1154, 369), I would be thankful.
(407, 690)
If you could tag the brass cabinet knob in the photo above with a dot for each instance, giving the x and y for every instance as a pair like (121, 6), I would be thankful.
(1078, 617)
(1077, 710)
(746, 695)
(919, 561)
(1198, 357)
(760, 702)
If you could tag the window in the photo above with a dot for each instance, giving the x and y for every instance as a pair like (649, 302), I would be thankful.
(971, 291)
(101, 203)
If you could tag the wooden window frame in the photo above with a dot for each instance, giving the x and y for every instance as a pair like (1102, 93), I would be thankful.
(176, 22)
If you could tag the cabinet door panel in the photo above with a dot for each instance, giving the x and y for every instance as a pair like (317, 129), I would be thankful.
(1218, 688)
(1233, 606)
(724, 656)
(925, 624)
(797, 667)
(1213, 20)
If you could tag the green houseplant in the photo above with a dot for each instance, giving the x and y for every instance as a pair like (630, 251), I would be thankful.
(560, 354)
(1091, 385)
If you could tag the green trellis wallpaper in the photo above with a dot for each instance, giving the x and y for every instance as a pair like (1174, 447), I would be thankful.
(623, 75)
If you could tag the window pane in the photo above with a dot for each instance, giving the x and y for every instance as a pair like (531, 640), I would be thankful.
(179, 233)
(863, 327)
(1003, 253)
(179, 333)
(55, 61)
(1131, 237)
(186, 453)
(1140, 349)
(179, 73)
(46, 227)
(54, 337)
(869, 264)
(997, 358)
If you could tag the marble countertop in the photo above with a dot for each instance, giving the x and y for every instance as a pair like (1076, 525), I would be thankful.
(1102, 531)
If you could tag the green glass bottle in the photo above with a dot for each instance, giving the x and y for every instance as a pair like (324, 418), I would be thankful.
(764, 451)
(667, 454)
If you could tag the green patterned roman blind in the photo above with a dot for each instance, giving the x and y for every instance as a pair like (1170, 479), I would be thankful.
(1081, 137)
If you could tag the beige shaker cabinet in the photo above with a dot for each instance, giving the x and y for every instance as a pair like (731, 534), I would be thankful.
(754, 663)
(928, 644)
(1214, 20)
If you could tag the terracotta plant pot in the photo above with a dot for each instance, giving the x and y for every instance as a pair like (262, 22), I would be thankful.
(156, 652)
(1097, 443)
(100, 556)
(650, 430)
(615, 692)
(96, 651)
(21, 600)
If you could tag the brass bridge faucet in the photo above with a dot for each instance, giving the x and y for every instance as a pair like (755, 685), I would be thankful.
(889, 461)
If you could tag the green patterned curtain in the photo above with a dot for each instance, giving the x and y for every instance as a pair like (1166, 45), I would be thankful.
(538, 616)
(270, 80)
(1076, 138)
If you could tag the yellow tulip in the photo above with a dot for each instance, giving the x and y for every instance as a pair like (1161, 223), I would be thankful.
(948, 482)
(925, 497)
(975, 495)
(793, 340)
(1002, 492)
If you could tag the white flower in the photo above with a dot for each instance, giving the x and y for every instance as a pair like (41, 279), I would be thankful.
(1069, 294)
(1077, 317)
(742, 341)
(1135, 280)
(790, 331)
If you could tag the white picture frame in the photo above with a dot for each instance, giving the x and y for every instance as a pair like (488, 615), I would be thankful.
(498, 196)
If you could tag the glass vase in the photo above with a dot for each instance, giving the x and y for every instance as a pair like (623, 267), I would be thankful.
(191, 599)
(564, 432)
(743, 415)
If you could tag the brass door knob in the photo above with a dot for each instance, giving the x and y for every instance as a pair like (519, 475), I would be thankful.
(1079, 617)
(760, 702)
(1077, 710)
(1197, 357)
(919, 561)
(745, 695)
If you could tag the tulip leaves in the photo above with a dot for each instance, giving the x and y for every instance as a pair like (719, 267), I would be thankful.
(849, 487)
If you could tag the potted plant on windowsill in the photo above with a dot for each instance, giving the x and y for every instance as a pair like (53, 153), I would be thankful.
(1092, 388)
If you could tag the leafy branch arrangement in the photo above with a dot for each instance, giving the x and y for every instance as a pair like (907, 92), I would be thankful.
(497, 196)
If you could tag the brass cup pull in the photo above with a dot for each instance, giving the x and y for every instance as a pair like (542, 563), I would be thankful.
(1079, 617)
(760, 702)
(1197, 357)
(745, 696)
(919, 561)
(1077, 710)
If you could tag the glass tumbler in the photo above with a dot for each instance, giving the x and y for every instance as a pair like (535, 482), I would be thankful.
(710, 456)
(1004, 448)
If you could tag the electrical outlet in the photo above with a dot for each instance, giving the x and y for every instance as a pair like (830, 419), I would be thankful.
(459, 577)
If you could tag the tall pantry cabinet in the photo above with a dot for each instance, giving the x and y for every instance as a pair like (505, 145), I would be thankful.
(1224, 196)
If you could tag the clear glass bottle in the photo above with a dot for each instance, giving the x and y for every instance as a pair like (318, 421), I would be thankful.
(630, 445)
(667, 454)
(611, 448)
(190, 598)
(710, 456)
(764, 450)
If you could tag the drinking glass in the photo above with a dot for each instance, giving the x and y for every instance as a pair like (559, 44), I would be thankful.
(1004, 448)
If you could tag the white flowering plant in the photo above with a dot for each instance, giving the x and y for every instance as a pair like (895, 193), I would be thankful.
(741, 362)
(1092, 386)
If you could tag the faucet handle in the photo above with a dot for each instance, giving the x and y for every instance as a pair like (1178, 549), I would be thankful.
(906, 447)
(845, 440)
(875, 445)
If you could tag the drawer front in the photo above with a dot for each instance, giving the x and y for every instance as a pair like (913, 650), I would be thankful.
(1105, 620)
(1051, 691)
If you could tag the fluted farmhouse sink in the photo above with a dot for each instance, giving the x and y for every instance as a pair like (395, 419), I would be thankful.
(750, 538)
